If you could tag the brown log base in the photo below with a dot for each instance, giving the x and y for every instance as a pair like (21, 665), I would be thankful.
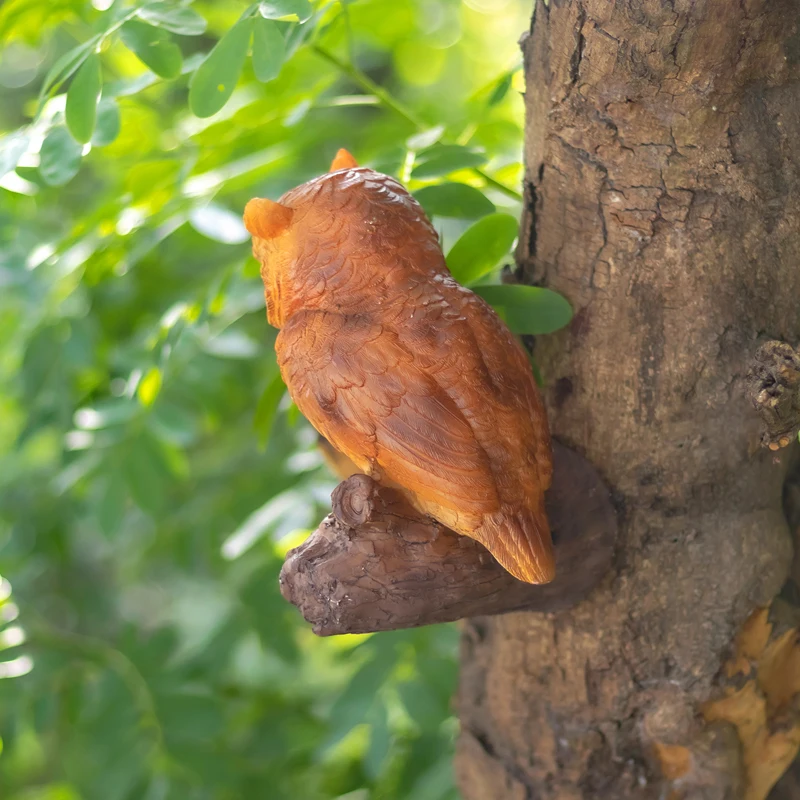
(375, 564)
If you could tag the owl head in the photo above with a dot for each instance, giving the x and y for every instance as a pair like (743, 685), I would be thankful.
(337, 238)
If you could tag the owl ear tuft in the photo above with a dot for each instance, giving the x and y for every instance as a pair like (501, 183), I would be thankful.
(266, 219)
(343, 160)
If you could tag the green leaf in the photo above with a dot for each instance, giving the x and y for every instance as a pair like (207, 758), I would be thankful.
(297, 35)
(436, 783)
(442, 159)
(290, 10)
(213, 83)
(528, 309)
(67, 64)
(147, 473)
(454, 200)
(11, 149)
(108, 123)
(481, 247)
(59, 157)
(297, 114)
(421, 703)
(82, 99)
(153, 47)
(268, 612)
(111, 508)
(31, 174)
(501, 89)
(185, 21)
(172, 423)
(355, 702)
(380, 740)
(269, 48)
(267, 408)
(189, 716)
(43, 351)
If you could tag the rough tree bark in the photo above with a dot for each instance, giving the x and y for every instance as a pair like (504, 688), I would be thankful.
(663, 186)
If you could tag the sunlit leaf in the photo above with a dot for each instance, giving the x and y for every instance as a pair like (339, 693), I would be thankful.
(11, 149)
(149, 386)
(59, 157)
(105, 414)
(82, 99)
(219, 224)
(280, 515)
(454, 200)
(481, 247)
(419, 141)
(269, 48)
(293, 10)
(297, 114)
(232, 344)
(183, 20)
(153, 47)
(528, 309)
(213, 83)
(443, 159)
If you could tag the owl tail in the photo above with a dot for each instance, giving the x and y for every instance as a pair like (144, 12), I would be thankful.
(521, 543)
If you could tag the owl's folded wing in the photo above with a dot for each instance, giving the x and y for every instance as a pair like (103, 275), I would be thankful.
(363, 391)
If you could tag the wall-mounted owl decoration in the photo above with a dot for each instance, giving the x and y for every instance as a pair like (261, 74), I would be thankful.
(410, 375)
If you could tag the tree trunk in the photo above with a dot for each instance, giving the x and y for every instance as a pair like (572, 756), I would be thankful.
(663, 186)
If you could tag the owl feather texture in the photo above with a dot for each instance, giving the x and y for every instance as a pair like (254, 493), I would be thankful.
(411, 376)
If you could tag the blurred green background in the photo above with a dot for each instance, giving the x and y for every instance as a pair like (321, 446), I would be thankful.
(152, 471)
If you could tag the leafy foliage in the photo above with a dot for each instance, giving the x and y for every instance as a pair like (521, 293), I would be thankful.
(152, 470)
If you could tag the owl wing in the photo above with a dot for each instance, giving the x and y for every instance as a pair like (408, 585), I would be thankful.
(505, 357)
(361, 389)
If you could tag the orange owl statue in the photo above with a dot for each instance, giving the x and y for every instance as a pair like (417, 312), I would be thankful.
(404, 371)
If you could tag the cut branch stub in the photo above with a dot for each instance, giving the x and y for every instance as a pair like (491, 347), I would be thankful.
(774, 389)
(376, 564)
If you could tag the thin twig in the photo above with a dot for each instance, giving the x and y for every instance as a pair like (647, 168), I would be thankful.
(392, 103)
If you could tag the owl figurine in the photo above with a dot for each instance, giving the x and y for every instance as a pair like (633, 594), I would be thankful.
(411, 376)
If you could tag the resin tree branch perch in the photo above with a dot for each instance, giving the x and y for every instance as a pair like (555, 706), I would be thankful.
(376, 564)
